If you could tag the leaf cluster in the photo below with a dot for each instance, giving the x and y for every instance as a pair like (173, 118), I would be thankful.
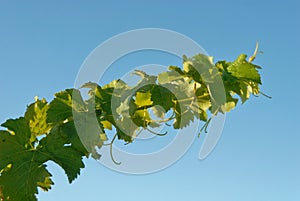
(53, 131)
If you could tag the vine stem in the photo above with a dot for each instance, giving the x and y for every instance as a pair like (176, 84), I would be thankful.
(164, 120)
(265, 95)
(205, 126)
(158, 134)
(111, 150)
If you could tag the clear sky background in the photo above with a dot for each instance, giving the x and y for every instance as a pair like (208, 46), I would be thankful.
(43, 44)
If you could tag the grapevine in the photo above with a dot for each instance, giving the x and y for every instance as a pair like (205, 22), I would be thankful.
(178, 96)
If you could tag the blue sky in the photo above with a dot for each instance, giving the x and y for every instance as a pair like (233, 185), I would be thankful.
(43, 44)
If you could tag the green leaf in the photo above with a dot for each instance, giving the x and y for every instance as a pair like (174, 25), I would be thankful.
(36, 114)
(90, 132)
(22, 165)
(69, 133)
(61, 108)
(126, 136)
(177, 70)
(197, 65)
(124, 124)
(143, 99)
(239, 87)
(21, 181)
(55, 147)
(228, 106)
(169, 76)
(183, 119)
(107, 125)
(242, 69)
(141, 118)
(162, 96)
(20, 125)
(22, 168)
